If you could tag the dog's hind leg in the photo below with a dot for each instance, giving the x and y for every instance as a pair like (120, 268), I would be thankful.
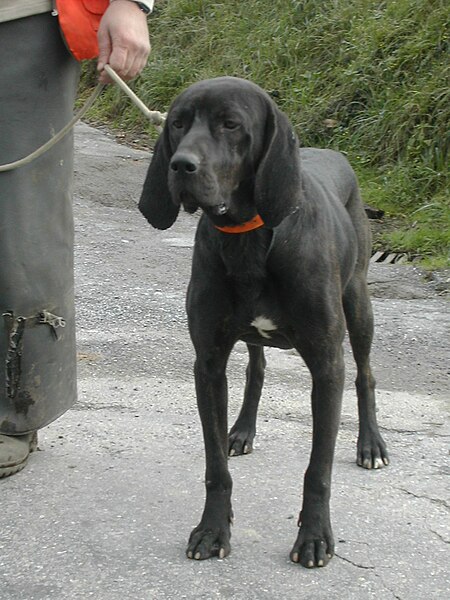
(240, 438)
(371, 448)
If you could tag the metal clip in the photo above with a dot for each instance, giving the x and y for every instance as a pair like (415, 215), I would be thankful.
(47, 318)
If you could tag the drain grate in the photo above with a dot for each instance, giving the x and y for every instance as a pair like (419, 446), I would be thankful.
(389, 258)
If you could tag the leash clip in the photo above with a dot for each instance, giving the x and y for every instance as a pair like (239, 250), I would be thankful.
(47, 318)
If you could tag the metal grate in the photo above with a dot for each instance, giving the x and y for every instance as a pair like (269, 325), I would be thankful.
(389, 258)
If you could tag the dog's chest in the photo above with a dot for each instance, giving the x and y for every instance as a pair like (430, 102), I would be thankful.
(264, 331)
(264, 326)
(258, 310)
(262, 322)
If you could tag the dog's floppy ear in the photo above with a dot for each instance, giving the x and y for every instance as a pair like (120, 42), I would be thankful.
(277, 181)
(155, 203)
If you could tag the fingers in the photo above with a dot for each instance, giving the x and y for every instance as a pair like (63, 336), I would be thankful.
(123, 41)
(128, 59)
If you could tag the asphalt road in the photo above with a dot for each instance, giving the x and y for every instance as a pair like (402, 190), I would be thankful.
(105, 507)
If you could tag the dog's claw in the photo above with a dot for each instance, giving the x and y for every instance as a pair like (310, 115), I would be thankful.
(375, 462)
(311, 549)
(371, 452)
(240, 437)
(206, 541)
(240, 442)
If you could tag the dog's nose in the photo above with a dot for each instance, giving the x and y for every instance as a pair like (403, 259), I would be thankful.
(184, 163)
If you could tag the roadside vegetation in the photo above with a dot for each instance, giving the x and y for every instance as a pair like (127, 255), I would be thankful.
(368, 78)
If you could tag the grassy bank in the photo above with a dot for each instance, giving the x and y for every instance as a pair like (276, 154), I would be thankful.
(368, 78)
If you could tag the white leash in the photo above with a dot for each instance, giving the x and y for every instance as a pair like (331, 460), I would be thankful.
(155, 117)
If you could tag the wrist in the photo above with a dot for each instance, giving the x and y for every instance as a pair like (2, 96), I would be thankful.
(146, 6)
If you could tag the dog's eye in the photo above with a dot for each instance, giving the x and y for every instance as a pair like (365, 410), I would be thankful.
(230, 124)
(177, 123)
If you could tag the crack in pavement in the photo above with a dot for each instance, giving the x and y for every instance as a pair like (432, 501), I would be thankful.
(369, 567)
(441, 537)
(439, 501)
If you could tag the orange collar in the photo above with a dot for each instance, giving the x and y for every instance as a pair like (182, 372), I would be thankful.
(254, 223)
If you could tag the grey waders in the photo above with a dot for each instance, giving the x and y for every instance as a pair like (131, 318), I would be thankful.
(38, 82)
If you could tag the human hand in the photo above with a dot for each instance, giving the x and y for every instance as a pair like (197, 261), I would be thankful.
(123, 40)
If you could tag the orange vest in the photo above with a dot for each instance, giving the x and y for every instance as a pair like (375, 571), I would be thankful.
(79, 21)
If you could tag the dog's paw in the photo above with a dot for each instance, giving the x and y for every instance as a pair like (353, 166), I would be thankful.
(371, 452)
(208, 542)
(240, 441)
(312, 550)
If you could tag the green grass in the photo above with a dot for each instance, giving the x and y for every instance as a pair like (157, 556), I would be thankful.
(368, 78)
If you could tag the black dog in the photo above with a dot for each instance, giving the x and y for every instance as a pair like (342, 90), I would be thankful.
(280, 259)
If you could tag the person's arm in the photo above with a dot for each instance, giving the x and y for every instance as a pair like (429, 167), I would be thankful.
(123, 40)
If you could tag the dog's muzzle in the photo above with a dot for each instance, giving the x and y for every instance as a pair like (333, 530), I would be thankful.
(186, 177)
(221, 209)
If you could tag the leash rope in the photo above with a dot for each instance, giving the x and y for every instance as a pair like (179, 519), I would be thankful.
(155, 117)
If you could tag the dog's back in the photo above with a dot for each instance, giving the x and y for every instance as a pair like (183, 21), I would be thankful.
(330, 179)
(330, 170)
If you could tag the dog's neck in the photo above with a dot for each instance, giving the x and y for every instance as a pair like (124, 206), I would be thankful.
(244, 257)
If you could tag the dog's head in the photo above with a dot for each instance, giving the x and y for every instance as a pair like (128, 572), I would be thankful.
(227, 149)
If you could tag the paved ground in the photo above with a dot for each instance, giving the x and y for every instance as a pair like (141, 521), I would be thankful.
(104, 509)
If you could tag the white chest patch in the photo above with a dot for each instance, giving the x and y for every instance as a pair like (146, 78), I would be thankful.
(264, 326)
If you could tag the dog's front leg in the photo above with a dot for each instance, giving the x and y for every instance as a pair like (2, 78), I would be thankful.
(212, 536)
(314, 545)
